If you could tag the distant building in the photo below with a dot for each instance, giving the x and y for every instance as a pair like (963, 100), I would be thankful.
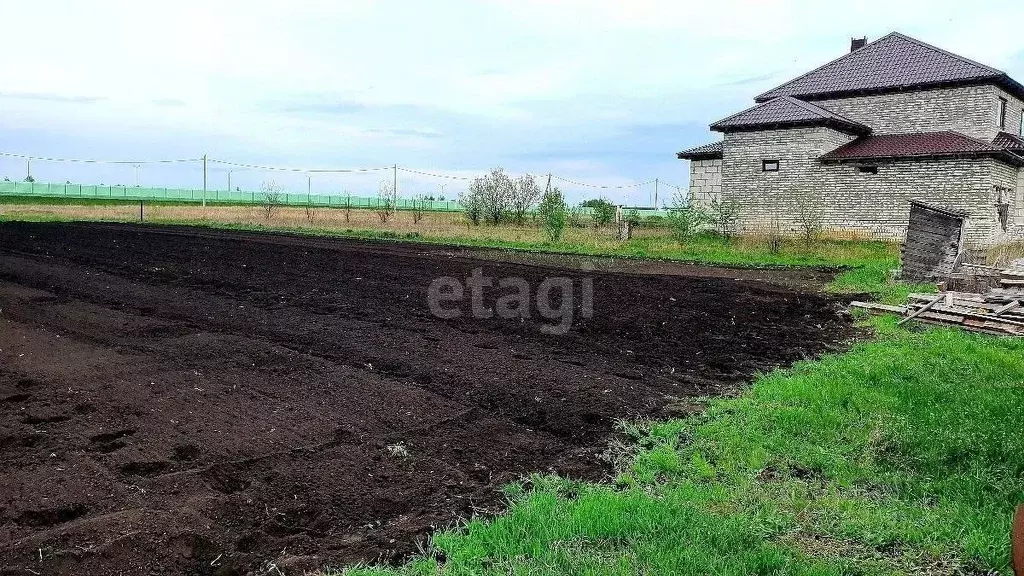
(857, 139)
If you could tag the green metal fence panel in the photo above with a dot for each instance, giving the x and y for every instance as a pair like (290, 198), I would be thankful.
(163, 194)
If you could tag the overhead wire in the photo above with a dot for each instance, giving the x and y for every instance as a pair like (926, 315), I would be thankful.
(94, 161)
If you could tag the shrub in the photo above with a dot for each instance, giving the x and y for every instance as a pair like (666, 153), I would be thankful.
(684, 218)
(576, 217)
(271, 197)
(553, 214)
(723, 215)
(603, 211)
(809, 218)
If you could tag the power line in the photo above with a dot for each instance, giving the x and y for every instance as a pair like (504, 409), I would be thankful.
(311, 170)
(92, 161)
(303, 170)
(586, 185)
(435, 175)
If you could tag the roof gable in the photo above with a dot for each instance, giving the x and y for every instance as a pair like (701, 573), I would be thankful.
(893, 62)
(784, 112)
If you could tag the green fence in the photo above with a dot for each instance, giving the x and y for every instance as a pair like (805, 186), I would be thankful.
(100, 192)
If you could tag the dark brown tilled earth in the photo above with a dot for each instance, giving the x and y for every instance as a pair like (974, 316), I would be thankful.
(183, 401)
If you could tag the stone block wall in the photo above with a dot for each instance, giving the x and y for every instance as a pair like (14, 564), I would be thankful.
(879, 204)
(764, 195)
(853, 201)
(969, 110)
(705, 181)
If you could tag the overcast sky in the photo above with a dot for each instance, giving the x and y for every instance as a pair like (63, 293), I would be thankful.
(603, 92)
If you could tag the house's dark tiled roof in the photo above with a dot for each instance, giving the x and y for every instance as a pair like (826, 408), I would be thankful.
(922, 145)
(893, 62)
(787, 111)
(704, 152)
(1009, 141)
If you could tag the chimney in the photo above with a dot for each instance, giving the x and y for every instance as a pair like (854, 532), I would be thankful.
(857, 43)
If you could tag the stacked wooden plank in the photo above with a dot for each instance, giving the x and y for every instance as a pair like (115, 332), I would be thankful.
(998, 311)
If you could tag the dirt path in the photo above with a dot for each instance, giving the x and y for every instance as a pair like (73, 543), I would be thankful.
(194, 401)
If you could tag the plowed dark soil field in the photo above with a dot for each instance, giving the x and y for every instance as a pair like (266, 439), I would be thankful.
(189, 401)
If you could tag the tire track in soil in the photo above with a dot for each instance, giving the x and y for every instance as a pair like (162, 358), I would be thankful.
(170, 397)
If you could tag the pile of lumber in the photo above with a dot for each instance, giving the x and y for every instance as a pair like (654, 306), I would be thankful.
(998, 311)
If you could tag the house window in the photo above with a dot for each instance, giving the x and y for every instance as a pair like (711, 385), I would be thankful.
(769, 165)
(1001, 113)
(867, 169)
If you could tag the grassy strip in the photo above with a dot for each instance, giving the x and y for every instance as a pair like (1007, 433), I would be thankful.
(901, 456)
(866, 264)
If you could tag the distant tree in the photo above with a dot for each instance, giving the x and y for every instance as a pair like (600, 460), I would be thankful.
(472, 202)
(603, 211)
(29, 178)
(525, 193)
(496, 196)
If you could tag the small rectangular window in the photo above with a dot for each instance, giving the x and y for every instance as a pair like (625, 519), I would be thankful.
(1022, 122)
(867, 169)
(769, 165)
(1001, 112)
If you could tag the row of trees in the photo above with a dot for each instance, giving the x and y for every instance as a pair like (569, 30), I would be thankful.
(497, 198)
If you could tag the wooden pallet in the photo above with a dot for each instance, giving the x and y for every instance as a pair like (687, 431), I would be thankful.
(968, 311)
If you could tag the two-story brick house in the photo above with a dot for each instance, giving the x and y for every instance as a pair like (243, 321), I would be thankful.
(856, 139)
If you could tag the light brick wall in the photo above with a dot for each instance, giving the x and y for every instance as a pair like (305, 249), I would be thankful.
(879, 203)
(970, 110)
(849, 200)
(763, 195)
(705, 181)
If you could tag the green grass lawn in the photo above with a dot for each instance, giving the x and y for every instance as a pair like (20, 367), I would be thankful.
(903, 456)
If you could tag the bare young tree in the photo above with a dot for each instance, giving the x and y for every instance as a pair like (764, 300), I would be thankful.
(419, 208)
(387, 201)
(525, 193)
(810, 217)
(271, 198)
(311, 211)
(346, 207)
(774, 236)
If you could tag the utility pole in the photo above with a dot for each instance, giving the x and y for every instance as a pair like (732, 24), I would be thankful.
(136, 166)
(655, 193)
(309, 188)
(548, 187)
(28, 170)
(229, 183)
(204, 180)
(395, 182)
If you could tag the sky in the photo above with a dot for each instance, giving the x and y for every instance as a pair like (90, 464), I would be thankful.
(594, 92)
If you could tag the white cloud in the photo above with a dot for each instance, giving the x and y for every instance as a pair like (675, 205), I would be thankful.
(448, 85)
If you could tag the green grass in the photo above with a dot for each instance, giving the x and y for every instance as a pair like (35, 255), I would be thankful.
(902, 456)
